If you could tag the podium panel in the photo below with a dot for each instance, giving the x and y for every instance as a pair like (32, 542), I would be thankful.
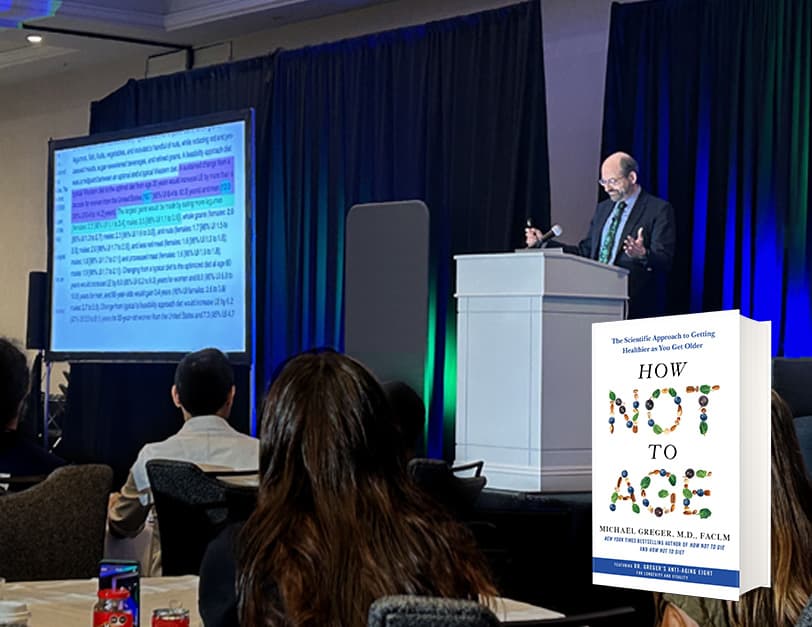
(524, 326)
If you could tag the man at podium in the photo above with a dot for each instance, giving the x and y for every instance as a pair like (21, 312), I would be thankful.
(631, 229)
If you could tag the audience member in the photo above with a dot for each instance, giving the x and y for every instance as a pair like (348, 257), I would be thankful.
(204, 392)
(780, 605)
(19, 456)
(338, 522)
(408, 412)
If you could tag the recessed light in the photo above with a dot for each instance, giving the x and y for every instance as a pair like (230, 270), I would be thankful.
(34, 39)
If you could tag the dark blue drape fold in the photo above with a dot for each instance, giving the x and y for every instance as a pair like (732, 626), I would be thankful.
(713, 97)
(452, 113)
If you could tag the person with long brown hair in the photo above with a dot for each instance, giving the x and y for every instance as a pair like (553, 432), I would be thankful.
(338, 522)
(781, 604)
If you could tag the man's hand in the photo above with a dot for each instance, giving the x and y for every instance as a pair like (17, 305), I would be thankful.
(532, 236)
(635, 248)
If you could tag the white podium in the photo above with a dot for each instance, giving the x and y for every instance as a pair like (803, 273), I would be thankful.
(524, 364)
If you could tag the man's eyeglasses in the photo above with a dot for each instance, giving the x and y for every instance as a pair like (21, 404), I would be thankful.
(612, 181)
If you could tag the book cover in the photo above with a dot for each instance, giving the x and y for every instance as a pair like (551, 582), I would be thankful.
(676, 505)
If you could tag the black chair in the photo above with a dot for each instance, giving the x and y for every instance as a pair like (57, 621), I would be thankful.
(517, 531)
(615, 617)
(192, 508)
(476, 467)
(792, 379)
(803, 428)
(460, 495)
(417, 611)
(55, 529)
(437, 478)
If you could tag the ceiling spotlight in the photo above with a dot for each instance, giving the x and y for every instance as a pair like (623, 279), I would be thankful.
(34, 39)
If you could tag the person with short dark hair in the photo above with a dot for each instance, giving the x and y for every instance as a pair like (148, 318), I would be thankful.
(409, 413)
(19, 456)
(204, 392)
(338, 522)
(204, 383)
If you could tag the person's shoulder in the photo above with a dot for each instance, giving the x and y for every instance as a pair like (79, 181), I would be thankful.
(49, 460)
(249, 445)
(651, 200)
(153, 448)
(159, 449)
(236, 433)
(247, 438)
(22, 456)
(605, 203)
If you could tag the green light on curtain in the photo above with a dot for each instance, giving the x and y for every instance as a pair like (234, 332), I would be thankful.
(428, 370)
(450, 379)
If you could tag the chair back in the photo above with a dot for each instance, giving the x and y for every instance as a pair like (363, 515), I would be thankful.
(803, 428)
(417, 611)
(55, 529)
(437, 478)
(192, 508)
(792, 379)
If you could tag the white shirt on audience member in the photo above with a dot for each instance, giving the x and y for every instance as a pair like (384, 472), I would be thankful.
(203, 440)
(208, 440)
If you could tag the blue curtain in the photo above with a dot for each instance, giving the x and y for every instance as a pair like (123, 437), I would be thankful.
(713, 97)
(452, 112)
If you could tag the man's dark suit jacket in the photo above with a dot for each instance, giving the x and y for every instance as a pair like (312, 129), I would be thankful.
(647, 278)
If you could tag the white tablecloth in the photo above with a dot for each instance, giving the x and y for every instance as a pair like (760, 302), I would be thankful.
(70, 603)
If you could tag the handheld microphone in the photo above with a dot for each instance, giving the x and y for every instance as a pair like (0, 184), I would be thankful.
(555, 231)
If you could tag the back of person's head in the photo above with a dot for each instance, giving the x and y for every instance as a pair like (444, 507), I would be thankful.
(791, 517)
(326, 420)
(338, 523)
(203, 381)
(408, 411)
(14, 381)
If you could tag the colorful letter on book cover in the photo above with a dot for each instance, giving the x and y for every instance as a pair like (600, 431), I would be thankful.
(681, 454)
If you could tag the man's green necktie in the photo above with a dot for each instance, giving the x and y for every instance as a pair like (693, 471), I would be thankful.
(609, 241)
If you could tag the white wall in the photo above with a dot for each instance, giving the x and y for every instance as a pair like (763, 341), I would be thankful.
(30, 115)
(576, 39)
(575, 34)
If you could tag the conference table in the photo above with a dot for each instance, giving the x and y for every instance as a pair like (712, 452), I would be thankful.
(70, 603)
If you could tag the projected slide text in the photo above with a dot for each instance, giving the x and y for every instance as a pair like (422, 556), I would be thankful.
(149, 248)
